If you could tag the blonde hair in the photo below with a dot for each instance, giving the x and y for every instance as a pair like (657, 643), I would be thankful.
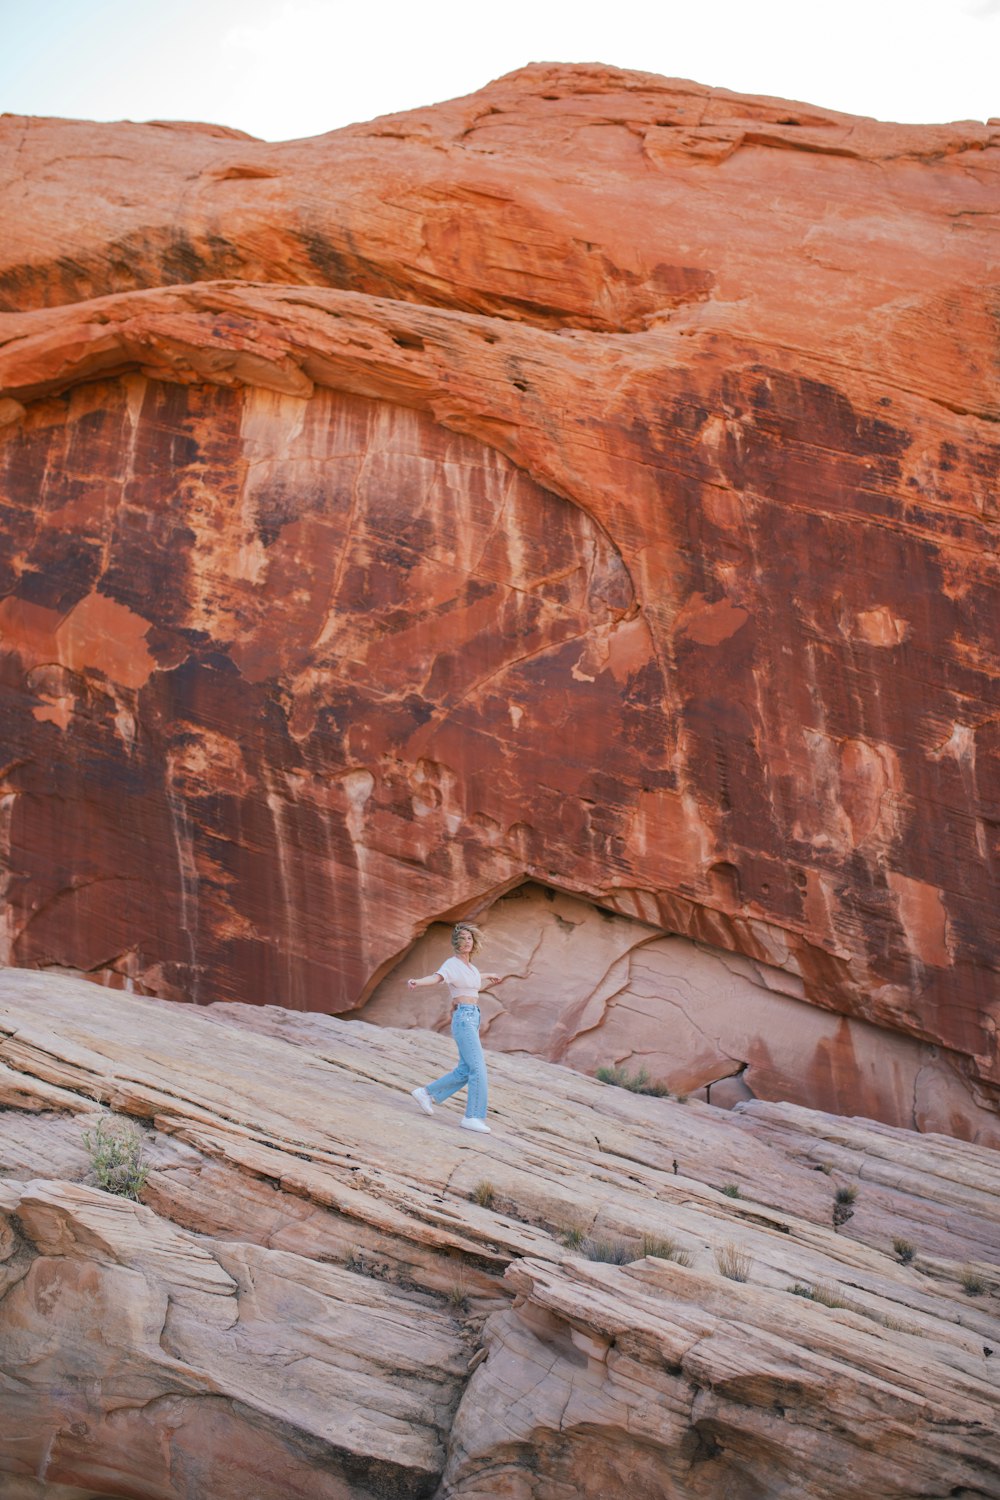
(477, 936)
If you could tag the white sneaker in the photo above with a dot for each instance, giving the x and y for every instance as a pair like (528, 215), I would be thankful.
(479, 1125)
(423, 1098)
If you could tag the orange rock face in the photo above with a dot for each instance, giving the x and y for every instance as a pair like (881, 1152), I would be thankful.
(591, 482)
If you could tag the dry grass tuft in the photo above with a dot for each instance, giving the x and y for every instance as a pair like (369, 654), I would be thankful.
(842, 1210)
(615, 1252)
(827, 1296)
(665, 1248)
(733, 1262)
(484, 1193)
(974, 1284)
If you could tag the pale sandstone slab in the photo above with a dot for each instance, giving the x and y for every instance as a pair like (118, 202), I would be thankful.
(119, 1319)
(722, 1388)
(265, 1308)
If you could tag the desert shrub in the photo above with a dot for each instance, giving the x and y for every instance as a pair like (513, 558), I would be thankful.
(636, 1083)
(665, 1248)
(484, 1193)
(117, 1157)
(573, 1238)
(973, 1283)
(846, 1194)
(733, 1262)
(904, 1250)
(731, 1190)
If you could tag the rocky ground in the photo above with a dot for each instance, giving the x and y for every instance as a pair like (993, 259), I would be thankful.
(324, 1293)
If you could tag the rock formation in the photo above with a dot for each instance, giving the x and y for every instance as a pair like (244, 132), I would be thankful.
(325, 1294)
(588, 988)
(590, 482)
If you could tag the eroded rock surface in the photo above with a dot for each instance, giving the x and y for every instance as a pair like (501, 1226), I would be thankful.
(326, 1293)
(592, 481)
(591, 989)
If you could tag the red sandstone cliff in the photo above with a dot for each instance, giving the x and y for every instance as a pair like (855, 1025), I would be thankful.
(591, 482)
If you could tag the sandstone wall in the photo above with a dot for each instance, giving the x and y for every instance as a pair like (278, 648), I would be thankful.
(592, 989)
(592, 482)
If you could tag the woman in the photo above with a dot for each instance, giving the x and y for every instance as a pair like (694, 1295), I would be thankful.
(464, 981)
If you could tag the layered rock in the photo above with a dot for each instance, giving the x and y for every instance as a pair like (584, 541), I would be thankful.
(594, 989)
(589, 482)
(324, 1292)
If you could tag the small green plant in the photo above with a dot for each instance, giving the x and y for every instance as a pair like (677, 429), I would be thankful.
(842, 1210)
(904, 1251)
(573, 1238)
(117, 1157)
(732, 1191)
(615, 1252)
(665, 1248)
(733, 1262)
(636, 1083)
(484, 1193)
(973, 1283)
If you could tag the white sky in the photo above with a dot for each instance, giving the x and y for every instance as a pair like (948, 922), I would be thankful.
(285, 68)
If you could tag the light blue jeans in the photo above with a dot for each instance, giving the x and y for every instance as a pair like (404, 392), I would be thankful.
(471, 1068)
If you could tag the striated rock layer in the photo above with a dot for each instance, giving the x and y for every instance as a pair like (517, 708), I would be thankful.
(589, 988)
(591, 482)
(326, 1294)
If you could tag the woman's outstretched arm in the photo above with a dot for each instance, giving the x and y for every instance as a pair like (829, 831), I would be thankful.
(413, 984)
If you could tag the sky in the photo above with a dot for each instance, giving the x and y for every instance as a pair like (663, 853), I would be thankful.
(281, 69)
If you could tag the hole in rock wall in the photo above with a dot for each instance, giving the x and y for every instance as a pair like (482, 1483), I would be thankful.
(591, 988)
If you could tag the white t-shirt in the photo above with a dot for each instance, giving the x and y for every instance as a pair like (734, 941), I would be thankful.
(461, 978)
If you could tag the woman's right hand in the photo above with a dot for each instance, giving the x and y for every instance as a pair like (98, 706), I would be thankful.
(411, 984)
